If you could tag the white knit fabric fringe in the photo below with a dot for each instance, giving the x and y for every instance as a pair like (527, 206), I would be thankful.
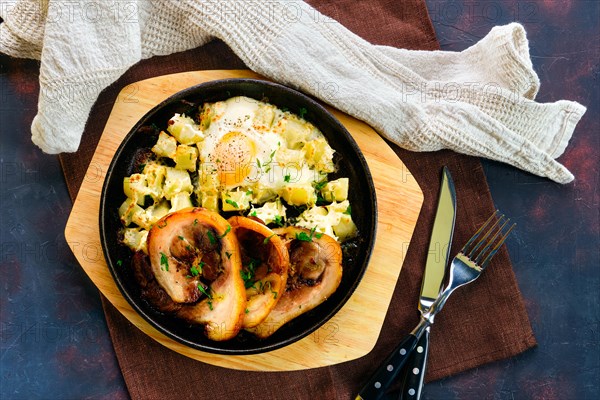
(479, 101)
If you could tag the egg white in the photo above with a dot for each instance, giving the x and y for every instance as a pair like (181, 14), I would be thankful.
(243, 155)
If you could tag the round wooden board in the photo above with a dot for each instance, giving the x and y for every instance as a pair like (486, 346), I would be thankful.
(353, 331)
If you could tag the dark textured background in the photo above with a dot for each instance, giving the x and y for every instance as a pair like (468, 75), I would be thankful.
(54, 342)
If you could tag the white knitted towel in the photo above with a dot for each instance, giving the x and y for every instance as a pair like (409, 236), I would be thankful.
(478, 101)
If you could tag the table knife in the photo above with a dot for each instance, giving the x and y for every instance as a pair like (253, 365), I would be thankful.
(437, 260)
(435, 267)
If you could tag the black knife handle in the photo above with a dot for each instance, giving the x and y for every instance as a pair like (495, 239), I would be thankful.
(388, 370)
(414, 369)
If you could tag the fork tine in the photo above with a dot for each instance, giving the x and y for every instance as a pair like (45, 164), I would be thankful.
(495, 249)
(484, 238)
(491, 241)
(466, 248)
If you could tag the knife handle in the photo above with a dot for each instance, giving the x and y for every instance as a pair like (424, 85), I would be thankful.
(414, 370)
(388, 370)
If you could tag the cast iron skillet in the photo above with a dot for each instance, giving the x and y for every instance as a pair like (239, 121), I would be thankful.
(350, 162)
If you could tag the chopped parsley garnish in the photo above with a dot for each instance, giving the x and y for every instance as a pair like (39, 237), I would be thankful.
(180, 237)
(210, 306)
(164, 261)
(203, 290)
(264, 286)
(253, 213)
(247, 277)
(246, 311)
(286, 178)
(142, 166)
(320, 185)
(211, 237)
(249, 272)
(195, 222)
(302, 236)
(317, 235)
(268, 163)
(267, 239)
(228, 254)
(233, 203)
(249, 192)
(258, 163)
(302, 112)
(348, 210)
(320, 200)
(254, 263)
(119, 263)
(197, 269)
(226, 232)
(278, 220)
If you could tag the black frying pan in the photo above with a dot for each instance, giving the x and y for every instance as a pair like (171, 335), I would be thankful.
(349, 160)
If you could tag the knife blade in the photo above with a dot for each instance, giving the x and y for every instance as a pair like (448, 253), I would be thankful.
(439, 243)
(435, 267)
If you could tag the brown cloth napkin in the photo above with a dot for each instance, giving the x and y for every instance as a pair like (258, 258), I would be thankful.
(495, 326)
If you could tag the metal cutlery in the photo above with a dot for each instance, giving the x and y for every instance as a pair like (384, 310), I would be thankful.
(433, 277)
(435, 268)
(467, 266)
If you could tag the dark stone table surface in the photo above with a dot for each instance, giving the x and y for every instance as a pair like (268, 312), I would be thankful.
(54, 342)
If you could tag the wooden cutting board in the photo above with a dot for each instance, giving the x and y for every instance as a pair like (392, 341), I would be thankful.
(353, 331)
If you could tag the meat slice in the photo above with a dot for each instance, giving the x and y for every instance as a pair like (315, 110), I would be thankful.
(314, 274)
(151, 291)
(195, 260)
(265, 263)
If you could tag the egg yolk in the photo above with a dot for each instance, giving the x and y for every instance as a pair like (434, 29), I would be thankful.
(233, 155)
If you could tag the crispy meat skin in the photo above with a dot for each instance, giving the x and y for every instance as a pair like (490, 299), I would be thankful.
(315, 273)
(191, 238)
(179, 241)
(258, 242)
(290, 278)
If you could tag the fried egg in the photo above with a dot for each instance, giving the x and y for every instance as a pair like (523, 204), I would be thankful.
(241, 149)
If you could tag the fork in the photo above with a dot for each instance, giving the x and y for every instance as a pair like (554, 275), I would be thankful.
(467, 266)
(473, 258)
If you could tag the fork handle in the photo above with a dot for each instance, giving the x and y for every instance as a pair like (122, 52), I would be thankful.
(388, 370)
(412, 387)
